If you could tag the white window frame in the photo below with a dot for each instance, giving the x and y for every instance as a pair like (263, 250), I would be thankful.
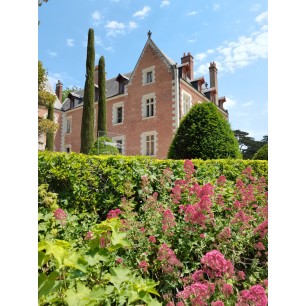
(152, 105)
(122, 139)
(145, 75)
(186, 102)
(116, 106)
(145, 139)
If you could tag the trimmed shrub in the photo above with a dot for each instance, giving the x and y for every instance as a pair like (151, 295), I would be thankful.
(204, 133)
(101, 147)
(262, 153)
(87, 182)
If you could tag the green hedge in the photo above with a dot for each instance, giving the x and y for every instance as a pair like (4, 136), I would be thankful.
(87, 183)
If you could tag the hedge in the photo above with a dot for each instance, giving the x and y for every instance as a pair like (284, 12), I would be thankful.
(87, 182)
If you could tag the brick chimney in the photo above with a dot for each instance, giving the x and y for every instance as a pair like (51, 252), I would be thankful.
(188, 59)
(213, 78)
(59, 90)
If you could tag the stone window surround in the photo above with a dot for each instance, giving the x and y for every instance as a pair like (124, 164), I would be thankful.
(122, 138)
(143, 142)
(144, 75)
(115, 114)
(144, 105)
(184, 94)
(68, 119)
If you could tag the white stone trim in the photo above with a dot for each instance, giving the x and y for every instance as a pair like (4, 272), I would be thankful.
(114, 113)
(143, 142)
(144, 75)
(144, 103)
(175, 101)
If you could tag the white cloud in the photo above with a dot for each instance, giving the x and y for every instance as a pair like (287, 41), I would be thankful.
(202, 69)
(200, 56)
(192, 40)
(192, 13)
(96, 16)
(70, 42)
(114, 28)
(216, 7)
(52, 53)
(262, 17)
(210, 51)
(132, 25)
(255, 7)
(229, 103)
(247, 103)
(142, 13)
(164, 3)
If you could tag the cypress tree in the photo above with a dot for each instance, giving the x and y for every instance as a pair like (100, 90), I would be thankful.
(50, 133)
(87, 128)
(102, 96)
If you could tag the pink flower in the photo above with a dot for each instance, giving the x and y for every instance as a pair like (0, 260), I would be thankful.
(202, 235)
(188, 168)
(241, 275)
(227, 290)
(118, 260)
(217, 303)
(59, 214)
(152, 239)
(143, 265)
(102, 242)
(197, 292)
(259, 246)
(256, 294)
(114, 213)
(197, 276)
(221, 180)
(214, 264)
(168, 220)
(89, 236)
(167, 258)
(142, 229)
(225, 234)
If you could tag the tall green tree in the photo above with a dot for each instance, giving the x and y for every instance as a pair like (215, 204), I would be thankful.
(204, 133)
(87, 128)
(102, 96)
(46, 100)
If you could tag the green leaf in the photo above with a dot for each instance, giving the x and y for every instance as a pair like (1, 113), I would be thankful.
(119, 275)
(95, 256)
(77, 261)
(79, 297)
(46, 283)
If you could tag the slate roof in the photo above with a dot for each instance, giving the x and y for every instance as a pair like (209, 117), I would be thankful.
(112, 89)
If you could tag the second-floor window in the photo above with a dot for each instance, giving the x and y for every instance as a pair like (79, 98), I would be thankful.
(68, 126)
(150, 107)
(119, 114)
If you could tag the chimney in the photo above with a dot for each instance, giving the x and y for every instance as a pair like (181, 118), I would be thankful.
(213, 78)
(59, 90)
(188, 59)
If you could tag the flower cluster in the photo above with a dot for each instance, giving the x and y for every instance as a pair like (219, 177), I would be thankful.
(114, 213)
(214, 264)
(168, 259)
(89, 236)
(60, 215)
(168, 221)
(256, 295)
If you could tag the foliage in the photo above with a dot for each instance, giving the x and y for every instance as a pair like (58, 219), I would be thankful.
(204, 133)
(40, 2)
(262, 153)
(87, 127)
(194, 241)
(98, 183)
(248, 145)
(101, 147)
(50, 133)
(46, 99)
(102, 96)
(68, 90)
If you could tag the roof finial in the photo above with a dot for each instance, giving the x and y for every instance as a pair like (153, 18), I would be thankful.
(149, 34)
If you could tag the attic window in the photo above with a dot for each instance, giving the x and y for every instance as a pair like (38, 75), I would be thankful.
(148, 75)
(121, 87)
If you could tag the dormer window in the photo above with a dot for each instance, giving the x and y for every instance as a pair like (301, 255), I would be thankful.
(121, 87)
(122, 80)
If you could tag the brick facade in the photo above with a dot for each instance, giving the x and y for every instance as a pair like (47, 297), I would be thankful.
(144, 114)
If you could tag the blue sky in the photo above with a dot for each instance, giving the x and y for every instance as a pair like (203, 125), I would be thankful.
(234, 34)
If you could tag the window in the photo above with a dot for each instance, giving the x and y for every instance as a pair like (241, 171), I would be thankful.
(118, 113)
(121, 87)
(68, 149)
(119, 140)
(149, 143)
(68, 125)
(186, 104)
(148, 106)
(148, 75)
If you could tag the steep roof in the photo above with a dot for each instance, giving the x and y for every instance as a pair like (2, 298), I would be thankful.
(112, 89)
